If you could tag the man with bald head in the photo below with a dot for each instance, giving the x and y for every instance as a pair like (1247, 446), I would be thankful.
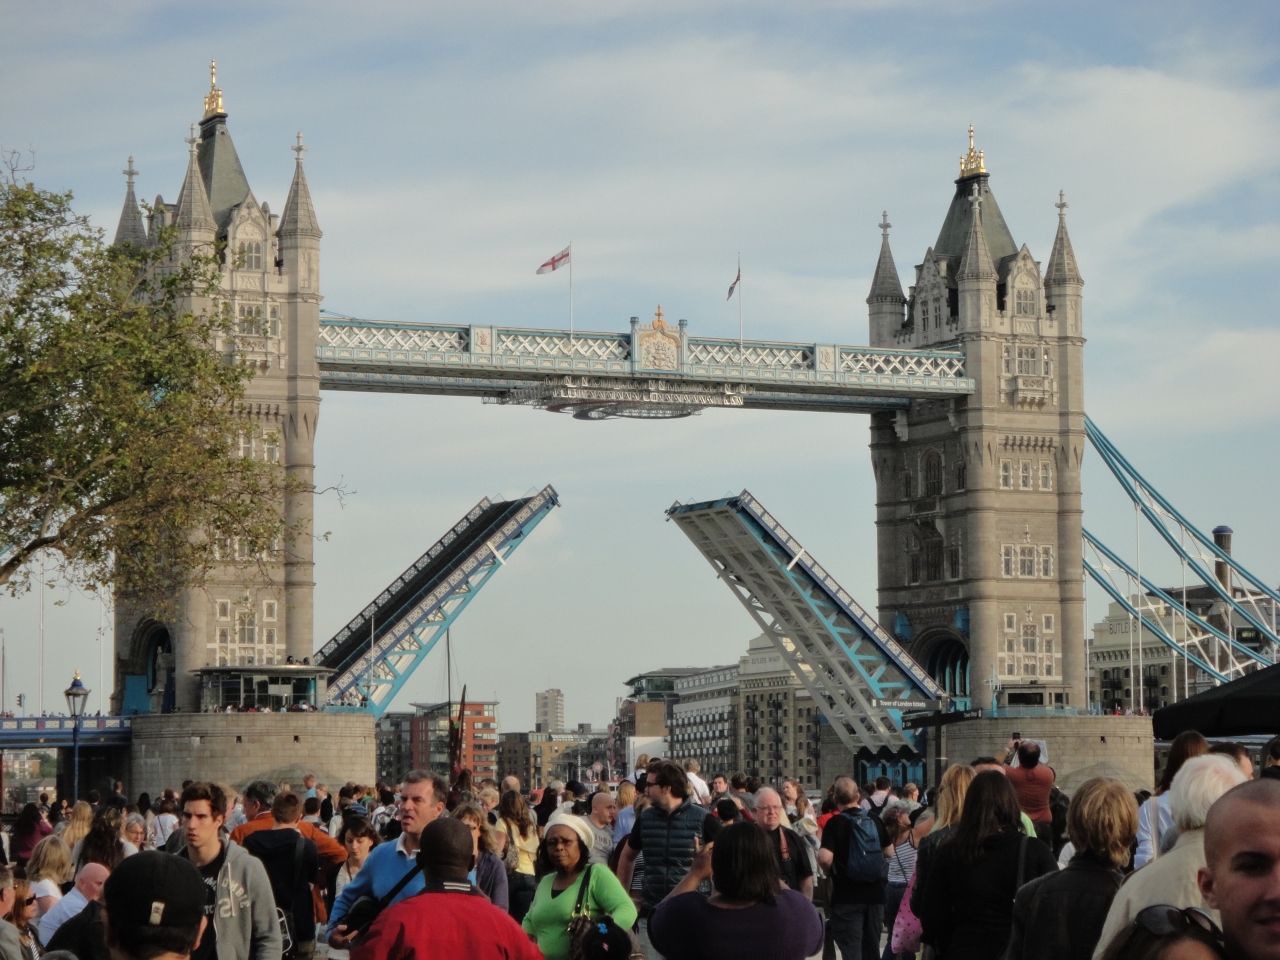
(602, 815)
(450, 917)
(88, 887)
(1241, 875)
(788, 848)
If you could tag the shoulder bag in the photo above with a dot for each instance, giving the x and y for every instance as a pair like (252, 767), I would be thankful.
(580, 921)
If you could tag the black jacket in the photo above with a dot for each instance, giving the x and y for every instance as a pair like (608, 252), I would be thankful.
(82, 935)
(968, 907)
(1060, 916)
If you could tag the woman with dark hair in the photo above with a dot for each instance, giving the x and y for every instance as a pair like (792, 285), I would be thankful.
(750, 916)
(564, 853)
(967, 901)
(102, 844)
(29, 829)
(359, 837)
(1155, 816)
(490, 874)
(521, 832)
(1167, 933)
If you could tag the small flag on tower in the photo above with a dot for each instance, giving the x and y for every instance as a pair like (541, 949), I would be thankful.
(556, 262)
(734, 286)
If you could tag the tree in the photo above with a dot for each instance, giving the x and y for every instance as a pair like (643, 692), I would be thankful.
(48, 764)
(119, 430)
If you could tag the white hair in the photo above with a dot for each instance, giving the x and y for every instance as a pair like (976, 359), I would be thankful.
(1200, 782)
(763, 790)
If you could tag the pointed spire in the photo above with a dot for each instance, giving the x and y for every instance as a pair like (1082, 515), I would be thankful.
(193, 210)
(213, 99)
(975, 263)
(299, 216)
(1062, 260)
(886, 285)
(131, 228)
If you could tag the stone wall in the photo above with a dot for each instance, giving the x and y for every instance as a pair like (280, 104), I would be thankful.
(1079, 747)
(234, 747)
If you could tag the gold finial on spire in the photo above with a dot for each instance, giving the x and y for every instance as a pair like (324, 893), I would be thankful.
(658, 322)
(213, 99)
(974, 161)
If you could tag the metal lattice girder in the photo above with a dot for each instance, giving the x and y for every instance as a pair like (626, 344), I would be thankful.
(1201, 553)
(834, 647)
(376, 652)
(495, 361)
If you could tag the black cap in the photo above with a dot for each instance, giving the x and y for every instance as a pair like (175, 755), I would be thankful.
(155, 889)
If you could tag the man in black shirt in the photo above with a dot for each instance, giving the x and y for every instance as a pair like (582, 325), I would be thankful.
(292, 862)
(857, 908)
(791, 852)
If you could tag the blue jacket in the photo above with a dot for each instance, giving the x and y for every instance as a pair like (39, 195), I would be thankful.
(386, 866)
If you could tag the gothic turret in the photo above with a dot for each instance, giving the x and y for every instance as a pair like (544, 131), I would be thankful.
(224, 178)
(885, 300)
(976, 277)
(299, 217)
(131, 229)
(1062, 280)
(193, 215)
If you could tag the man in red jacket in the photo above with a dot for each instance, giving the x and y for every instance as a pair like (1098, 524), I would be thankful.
(258, 798)
(450, 918)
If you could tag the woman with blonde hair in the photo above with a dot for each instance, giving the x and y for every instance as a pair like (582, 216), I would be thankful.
(47, 870)
(951, 793)
(1060, 916)
(74, 829)
(23, 915)
(625, 798)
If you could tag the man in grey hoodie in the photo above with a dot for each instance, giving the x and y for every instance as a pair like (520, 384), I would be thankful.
(241, 907)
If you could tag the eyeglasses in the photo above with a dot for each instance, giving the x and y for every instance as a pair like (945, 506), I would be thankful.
(29, 901)
(1162, 920)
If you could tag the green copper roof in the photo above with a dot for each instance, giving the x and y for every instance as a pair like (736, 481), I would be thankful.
(954, 236)
(224, 178)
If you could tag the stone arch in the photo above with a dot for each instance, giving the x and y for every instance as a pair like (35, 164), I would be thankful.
(931, 471)
(946, 658)
(153, 655)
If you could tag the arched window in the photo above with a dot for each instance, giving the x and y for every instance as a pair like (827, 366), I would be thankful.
(932, 475)
(907, 485)
(1025, 303)
(250, 255)
(960, 475)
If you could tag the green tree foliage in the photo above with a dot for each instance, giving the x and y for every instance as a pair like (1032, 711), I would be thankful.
(48, 764)
(119, 428)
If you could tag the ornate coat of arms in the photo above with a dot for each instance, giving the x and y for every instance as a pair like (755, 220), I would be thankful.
(658, 347)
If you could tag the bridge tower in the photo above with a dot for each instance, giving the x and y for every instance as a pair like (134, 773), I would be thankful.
(270, 281)
(978, 511)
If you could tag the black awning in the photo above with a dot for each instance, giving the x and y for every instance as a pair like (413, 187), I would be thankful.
(1250, 705)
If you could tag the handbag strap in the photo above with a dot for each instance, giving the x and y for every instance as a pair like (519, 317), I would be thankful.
(385, 900)
(582, 891)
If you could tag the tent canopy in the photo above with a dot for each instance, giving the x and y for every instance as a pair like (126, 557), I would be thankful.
(1250, 705)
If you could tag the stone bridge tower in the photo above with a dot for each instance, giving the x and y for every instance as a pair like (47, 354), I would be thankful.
(270, 280)
(978, 512)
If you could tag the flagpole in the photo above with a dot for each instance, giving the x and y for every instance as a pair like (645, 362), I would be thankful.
(740, 348)
(570, 291)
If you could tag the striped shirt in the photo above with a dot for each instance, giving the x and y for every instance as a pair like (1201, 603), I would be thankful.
(903, 862)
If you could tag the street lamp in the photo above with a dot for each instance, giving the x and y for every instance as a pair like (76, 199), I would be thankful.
(77, 696)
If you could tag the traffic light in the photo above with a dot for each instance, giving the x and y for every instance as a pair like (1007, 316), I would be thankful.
(22, 700)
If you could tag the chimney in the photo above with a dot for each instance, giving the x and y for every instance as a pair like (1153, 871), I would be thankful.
(1222, 540)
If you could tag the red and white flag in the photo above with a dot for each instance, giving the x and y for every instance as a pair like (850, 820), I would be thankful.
(556, 262)
(734, 286)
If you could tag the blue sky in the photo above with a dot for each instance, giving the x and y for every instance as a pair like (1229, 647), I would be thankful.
(453, 147)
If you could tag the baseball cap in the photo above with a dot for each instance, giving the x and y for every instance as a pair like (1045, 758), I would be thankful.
(155, 889)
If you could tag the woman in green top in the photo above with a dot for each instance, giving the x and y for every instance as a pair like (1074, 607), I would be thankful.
(563, 854)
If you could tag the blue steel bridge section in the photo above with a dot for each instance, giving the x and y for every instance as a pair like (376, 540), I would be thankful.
(375, 653)
(582, 370)
(834, 647)
(33, 733)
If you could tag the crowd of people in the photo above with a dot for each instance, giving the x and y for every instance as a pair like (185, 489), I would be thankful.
(994, 863)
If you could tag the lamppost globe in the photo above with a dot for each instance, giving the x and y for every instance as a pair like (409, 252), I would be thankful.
(77, 696)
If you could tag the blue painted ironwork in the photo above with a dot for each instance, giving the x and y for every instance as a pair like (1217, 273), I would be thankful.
(28, 733)
(834, 647)
(376, 652)
(559, 369)
(1173, 527)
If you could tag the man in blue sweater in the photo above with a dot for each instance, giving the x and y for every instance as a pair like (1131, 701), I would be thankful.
(422, 799)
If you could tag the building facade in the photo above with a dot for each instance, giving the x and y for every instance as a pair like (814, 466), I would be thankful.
(644, 715)
(704, 721)
(779, 726)
(270, 283)
(533, 756)
(548, 713)
(978, 511)
(393, 739)
(430, 737)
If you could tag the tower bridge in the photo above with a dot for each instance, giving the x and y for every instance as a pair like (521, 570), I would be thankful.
(973, 379)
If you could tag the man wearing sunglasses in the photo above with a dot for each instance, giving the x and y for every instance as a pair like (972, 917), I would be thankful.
(1241, 876)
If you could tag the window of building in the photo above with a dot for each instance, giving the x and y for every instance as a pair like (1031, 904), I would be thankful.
(275, 321)
(933, 560)
(1025, 303)
(961, 475)
(1046, 475)
(224, 635)
(1006, 474)
(1009, 666)
(1048, 644)
(1048, 666)
(244, 549)
(1046, 561)
(932, 475)
(1026, 561)
(1030, 668)
(1010, 645)
(1024, 475)
(271, 636)
(271, 448)
(246, 627)
(913, 568)
(250, 320)
(906, 485)
(1047, 363)
(1008, 362)
(1030, 639)
(269, 610)
(953, 562)
(1048, 623)
(937, 314)
(1028, 362)
(1007, 559)
(224, 609)
(251, 255)
(246, 445)
(1011, 622)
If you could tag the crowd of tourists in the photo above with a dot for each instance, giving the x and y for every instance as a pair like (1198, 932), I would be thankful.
(994, 863)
